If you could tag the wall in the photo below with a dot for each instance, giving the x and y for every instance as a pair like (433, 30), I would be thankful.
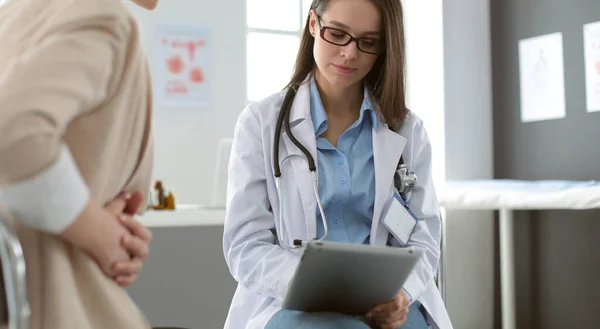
(468, 130)
(185, 281)
(423, 25)
(186, 139)
(556, 263)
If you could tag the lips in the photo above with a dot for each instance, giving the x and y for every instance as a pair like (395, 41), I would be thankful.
(343, 69)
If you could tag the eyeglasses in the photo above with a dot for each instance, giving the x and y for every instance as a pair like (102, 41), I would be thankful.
(342, 38)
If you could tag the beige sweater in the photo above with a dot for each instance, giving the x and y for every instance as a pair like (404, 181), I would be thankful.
(75, 117)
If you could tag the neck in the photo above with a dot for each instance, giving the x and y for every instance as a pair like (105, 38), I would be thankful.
(339, 101)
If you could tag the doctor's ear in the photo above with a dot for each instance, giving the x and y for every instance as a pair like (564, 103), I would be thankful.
(312, 24)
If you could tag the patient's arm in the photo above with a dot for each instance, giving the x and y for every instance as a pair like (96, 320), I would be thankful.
(43, 90)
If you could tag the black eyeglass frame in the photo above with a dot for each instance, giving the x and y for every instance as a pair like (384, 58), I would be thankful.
(323, 29)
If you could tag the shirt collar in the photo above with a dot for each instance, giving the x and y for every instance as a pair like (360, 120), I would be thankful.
(319, 117)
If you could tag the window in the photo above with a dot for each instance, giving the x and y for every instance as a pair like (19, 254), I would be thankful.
(273, 37)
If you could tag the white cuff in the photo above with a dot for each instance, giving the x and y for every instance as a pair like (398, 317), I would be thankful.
(51, 200)
(413, 287)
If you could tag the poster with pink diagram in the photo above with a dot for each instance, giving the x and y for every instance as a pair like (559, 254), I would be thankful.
(181, 66)
(592, 65)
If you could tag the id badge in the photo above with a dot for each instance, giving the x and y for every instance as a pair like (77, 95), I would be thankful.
(400, 220)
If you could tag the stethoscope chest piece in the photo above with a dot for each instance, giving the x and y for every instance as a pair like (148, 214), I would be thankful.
(408, 179)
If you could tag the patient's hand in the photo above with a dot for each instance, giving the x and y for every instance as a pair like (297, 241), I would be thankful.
(98, 233)
(390, 315)
(125, 272)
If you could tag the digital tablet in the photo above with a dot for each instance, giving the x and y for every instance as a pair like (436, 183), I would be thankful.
(348, 278)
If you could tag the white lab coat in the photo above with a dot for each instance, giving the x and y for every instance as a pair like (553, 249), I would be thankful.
(263, 268)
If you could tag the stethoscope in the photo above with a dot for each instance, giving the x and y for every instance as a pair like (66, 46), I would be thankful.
(404, 180)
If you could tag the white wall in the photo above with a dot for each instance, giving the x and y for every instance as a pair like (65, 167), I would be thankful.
(186, 140)
(469, 155)
(425, 74)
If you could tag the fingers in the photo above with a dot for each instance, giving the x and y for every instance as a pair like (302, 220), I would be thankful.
(136, 228)
(394, 320)
(389, 319)
(402, 295)
(374, 312)
(127, 268)
(117, 205)
(126, 202)
(133, 203)
(386, 308)
(135, 246)
(126, 272)
(390, 315)
(125, 281)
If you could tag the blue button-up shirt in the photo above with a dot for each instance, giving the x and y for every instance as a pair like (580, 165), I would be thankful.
(346, 173)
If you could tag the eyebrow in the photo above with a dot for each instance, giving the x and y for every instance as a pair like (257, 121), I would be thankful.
(342, 25)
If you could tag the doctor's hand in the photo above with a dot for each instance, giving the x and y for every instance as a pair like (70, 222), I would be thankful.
(390, 315)
(136, 242)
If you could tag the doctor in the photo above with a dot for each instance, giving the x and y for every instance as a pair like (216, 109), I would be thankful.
(349, 112)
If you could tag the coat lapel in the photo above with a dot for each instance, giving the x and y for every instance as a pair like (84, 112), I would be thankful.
(387, 149)
(303, 131)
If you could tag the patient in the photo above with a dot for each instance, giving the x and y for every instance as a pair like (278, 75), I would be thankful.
(75, 133)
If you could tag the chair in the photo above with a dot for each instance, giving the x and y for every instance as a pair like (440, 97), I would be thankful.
(219, 191)
(440, 278)
(14, 308)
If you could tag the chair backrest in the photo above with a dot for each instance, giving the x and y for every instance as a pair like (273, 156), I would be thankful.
(14, 304)
(220, 179)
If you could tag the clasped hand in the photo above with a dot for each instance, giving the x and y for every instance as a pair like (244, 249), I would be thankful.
(390, 315)
(135, 241)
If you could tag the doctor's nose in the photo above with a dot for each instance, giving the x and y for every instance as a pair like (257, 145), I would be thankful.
(349, 51)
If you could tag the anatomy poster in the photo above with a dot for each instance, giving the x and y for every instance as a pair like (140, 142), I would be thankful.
(592, 65)
(181, 66)
(541, 70)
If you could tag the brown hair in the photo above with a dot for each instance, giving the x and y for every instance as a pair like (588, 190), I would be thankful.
(386, 79)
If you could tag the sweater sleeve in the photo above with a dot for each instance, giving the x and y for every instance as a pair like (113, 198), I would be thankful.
(42, 90)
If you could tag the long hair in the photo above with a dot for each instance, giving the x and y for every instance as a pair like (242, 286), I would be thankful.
(387, 78)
